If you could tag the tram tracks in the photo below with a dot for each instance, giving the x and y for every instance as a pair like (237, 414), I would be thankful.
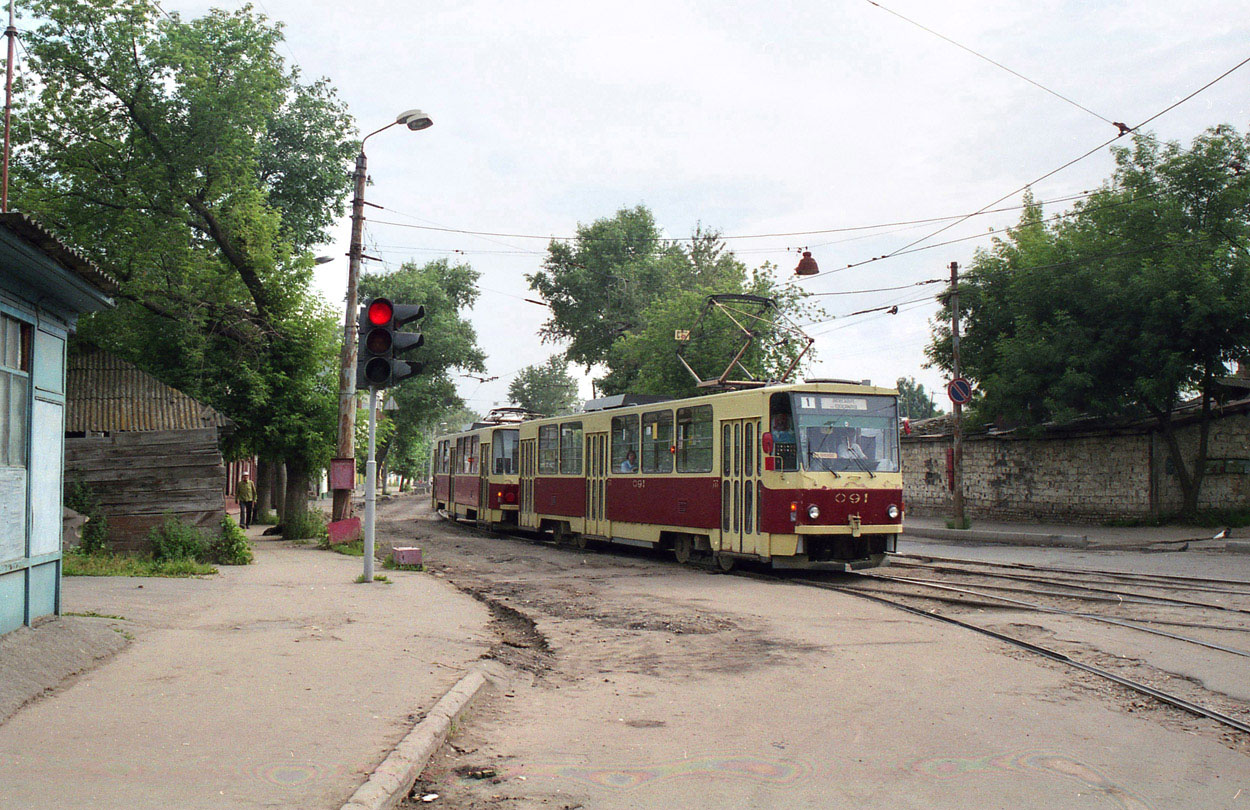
(948, 589)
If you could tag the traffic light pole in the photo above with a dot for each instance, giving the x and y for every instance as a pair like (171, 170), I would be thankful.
(371, 484)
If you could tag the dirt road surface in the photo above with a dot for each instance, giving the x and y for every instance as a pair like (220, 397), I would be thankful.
(640, 683)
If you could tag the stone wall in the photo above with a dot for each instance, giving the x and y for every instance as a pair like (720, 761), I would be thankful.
(1090, 478)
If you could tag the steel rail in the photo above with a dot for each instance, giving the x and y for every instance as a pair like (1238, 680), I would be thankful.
(1061, 612)
(1032, 567)
(1164, 697)
(1085, 582)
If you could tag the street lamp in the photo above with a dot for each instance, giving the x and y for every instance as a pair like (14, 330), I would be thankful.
(415, 120)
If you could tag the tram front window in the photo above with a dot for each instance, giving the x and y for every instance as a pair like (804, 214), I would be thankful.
(505, 447)
(847, 433)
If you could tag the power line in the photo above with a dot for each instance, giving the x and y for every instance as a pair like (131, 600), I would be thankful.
(1001, 66)
(882, 289)
(1050, 173)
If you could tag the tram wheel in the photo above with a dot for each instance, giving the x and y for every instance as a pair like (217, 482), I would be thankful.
(560, 535)
(580, 541)
(725, 562)
(683, 548)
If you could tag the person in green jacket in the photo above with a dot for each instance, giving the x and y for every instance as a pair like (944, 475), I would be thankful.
(246, 495)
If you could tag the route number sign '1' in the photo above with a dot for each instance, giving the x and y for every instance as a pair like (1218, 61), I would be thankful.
(959, 390)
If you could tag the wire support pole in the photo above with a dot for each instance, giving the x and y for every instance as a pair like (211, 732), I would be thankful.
(346, 448)
(10, 33)
(957, 452)
(371, 485)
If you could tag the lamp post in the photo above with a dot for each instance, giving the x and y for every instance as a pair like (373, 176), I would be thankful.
(415, 120)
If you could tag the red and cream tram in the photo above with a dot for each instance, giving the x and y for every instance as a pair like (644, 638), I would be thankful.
(796, 476)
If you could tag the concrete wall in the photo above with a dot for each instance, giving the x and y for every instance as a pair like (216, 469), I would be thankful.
(1089, 478)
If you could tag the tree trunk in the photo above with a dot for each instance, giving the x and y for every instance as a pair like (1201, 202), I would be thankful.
(279, 489)
(295, 522)
(264, 487)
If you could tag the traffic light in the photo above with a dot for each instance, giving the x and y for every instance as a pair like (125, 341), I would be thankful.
(381, 343)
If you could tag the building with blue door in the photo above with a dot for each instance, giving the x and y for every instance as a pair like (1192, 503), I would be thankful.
(44, 287)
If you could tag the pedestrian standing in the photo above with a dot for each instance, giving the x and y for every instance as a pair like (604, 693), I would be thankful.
(247, 501)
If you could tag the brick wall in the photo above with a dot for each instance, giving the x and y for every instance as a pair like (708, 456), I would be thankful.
(1089, 478)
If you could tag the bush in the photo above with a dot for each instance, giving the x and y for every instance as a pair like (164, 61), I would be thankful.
(95, 532)
(307, 525)
(176, 540)
(268, 518)
(231, 546)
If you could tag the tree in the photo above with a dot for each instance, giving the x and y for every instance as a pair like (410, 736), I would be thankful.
(445, 290)
(547, 389)
(913, 401)
(620, 291)
(1130, 305)
(187, 160)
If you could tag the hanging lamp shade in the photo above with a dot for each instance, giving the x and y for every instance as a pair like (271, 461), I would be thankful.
(807, 265)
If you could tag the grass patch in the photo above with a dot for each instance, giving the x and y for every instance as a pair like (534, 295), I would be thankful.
(355, 548)
(955, 524)
(74, 564)
(360, 580)
(91, 614)
(267, 518)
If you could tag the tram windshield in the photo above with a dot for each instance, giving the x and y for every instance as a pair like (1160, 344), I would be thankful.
(846, 433)
(505, 449)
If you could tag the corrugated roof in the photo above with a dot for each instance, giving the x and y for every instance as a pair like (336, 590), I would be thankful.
(105, 393)
(59, 251)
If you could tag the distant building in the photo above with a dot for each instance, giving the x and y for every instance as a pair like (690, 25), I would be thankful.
(146, 450)
(44, 287)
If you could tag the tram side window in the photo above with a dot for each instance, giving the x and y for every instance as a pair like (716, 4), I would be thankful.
(694, 439)
(781, 425)
(657, 442)
(571, 448)
(446, 461)
(625, 444)
(474, 450)
(504, 451)
(548, 449)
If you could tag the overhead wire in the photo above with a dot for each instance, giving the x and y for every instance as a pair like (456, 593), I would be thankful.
(1037, 180)
(997, 64)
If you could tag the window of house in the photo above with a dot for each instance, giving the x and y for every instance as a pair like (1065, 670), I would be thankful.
(571, 448)
(657, 442)
(15, 338)
(694, 439)
(625, 442)
(548, 449)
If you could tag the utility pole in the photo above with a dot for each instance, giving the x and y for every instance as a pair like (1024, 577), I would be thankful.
(371, 485)
(957, 482)
(11, 34)
(347, 368)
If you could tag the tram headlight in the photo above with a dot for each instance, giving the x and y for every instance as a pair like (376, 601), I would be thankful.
(892, 511)
(813, 512)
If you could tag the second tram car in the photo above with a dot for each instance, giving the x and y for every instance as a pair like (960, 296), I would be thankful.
(796, 476)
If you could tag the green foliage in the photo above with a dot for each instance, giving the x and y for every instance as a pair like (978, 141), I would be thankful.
(187, 160)
(78, 564)
(309, 525)
(548, 388)
(360, 580)
(231, 546)
(913, 401)
(620, 291)
(1130, 304)
(269, 518)
(175, 540)
(389, 564)
(95, 532)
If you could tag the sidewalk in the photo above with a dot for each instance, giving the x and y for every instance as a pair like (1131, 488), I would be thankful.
(1059, 535)
(278, 684)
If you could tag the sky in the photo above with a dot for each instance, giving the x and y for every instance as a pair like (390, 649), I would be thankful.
(748, 117)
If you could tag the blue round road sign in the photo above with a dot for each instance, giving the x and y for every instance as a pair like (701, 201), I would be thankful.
(959, 390)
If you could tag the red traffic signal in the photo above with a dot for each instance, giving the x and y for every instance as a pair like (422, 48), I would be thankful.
(380, 311)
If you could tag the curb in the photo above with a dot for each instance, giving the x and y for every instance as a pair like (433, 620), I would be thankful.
(1001, 538)
(1237, 546)
(389, 784)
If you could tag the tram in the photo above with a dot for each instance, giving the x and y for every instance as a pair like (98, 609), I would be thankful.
(803, 475)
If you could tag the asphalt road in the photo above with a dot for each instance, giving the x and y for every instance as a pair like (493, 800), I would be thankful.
(640, 683)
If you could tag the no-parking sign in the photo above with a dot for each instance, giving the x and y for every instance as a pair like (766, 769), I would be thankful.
(959, 390)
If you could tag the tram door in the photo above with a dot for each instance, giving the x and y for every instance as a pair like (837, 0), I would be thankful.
(483, 483)
(526, 517)
(451, 476)
(596, 484)
(740, 471)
